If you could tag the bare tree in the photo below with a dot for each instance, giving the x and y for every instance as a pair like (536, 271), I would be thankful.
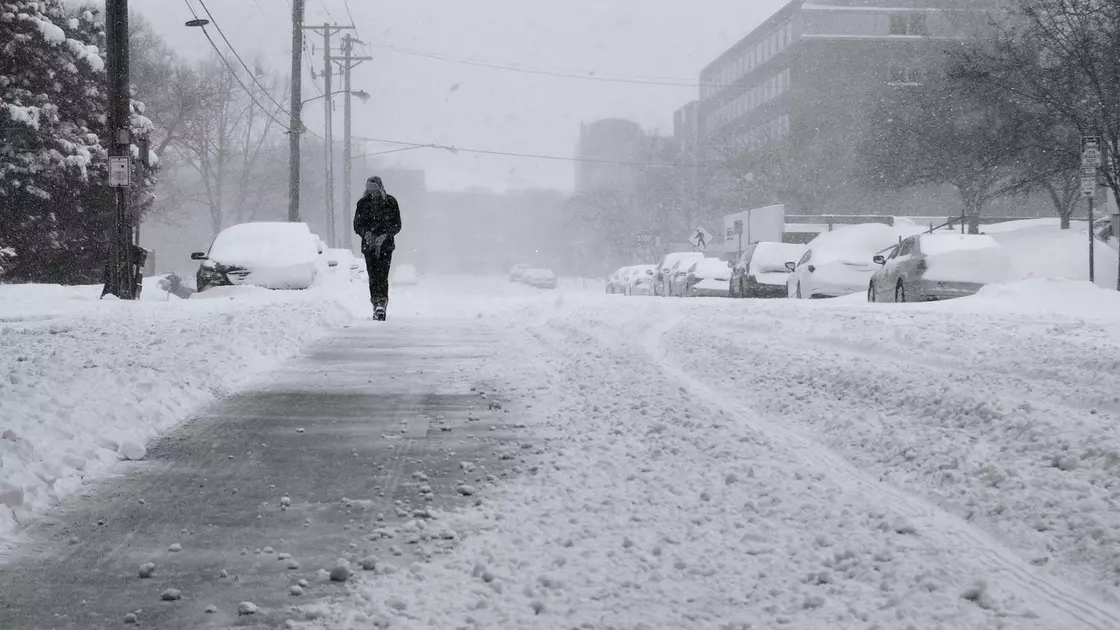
(234, 144)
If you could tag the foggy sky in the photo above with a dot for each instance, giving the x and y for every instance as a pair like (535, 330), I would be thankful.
(492, 109)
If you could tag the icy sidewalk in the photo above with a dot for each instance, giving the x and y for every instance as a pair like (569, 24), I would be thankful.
(657, 507)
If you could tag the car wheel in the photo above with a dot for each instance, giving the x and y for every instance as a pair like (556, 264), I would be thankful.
(900, 292)
(871, 293)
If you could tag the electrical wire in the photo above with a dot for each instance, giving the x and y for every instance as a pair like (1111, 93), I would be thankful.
(252, 75)
(229, 66)
(536, 156)
(550, 73)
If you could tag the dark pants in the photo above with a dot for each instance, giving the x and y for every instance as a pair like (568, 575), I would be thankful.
(378, 269)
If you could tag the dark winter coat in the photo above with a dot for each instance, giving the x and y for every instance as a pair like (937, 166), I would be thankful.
(379, 216)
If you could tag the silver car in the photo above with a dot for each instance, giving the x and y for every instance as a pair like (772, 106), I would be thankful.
(928, 267)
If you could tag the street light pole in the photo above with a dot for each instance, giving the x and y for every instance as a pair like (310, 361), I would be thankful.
(295, 125)
(349, 62)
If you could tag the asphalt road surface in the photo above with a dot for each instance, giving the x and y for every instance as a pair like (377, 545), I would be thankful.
(351, 433)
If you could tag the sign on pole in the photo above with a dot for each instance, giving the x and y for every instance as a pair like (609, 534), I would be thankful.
(120, 173)
(700, 239)
(1088, 181)
(1091, 151)
(644, 238)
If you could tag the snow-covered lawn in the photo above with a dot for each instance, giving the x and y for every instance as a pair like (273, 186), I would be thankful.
(785, 464)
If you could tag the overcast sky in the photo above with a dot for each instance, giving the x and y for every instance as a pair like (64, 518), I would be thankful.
(423, 100)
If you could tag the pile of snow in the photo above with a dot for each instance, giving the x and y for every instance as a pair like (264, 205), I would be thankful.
(710, 269)
(1040, 249)
(264, 244)
(858, 243)
(85, 383)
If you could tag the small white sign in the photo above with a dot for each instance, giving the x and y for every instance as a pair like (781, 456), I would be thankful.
(1090, 151)
(1089, 186)
(120, 175)
(700, 239)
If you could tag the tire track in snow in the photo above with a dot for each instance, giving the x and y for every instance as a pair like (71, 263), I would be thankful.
(1056, 601)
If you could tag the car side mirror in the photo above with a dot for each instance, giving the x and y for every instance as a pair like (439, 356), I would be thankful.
(792, 266)
(880, 259)
(198, 256)
(730, 265)
(649, 272)
(332, 263)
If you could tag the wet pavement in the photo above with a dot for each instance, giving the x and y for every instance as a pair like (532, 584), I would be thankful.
(361, 434)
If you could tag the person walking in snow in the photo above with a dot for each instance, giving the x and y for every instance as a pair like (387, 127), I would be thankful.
(377, 220)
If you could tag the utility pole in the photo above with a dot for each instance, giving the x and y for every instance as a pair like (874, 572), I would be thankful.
(349, 62)
(328, 31)
(295, 125)
(120, 279)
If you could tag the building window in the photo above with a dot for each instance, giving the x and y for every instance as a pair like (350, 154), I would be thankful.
(909, 24)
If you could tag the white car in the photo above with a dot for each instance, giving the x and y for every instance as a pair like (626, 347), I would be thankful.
(663, 274)
(707, 277)
(616, 282)
(539, 278)
(405, 275)
(761, 271)
(840, 262)
(929, 267)
(272, 255)
(516, 274)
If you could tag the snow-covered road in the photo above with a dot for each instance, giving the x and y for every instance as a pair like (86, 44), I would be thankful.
(710, 463)
(723, 464)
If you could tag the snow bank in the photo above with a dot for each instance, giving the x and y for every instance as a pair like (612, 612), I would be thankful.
(85, 383)
(1039, 249)
(264, 244)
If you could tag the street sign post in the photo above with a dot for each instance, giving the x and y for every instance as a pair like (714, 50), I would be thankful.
(644, 238)
(120, 175)
(700, 239)
(1091, 160)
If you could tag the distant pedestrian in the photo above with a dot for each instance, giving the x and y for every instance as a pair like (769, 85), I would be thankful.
(377, 221)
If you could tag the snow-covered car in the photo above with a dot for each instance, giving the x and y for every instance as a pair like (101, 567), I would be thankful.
(341, 260)
(761, 271)
(517, 273)
(539, 278)
(930, 267)
(405, 275)
(616, 282)
(707, 277)
(272, 255)
(640, 280)
(840, 262)
(663, 273)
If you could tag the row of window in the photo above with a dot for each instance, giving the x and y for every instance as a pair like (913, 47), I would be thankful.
(772, 131)
(750, 100)
(754, 56)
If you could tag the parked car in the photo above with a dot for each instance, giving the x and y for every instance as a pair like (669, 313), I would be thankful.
(516, 274)
(707, 277)
(405, 275)
(839, 262)
(640, 281)
(662, 275)
(616, 282)
(539, 278)
(761, 271)
(930, 267)
(271, 255)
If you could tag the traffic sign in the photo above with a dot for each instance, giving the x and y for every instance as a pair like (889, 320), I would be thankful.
(1089, 186)
(120, 174)
(644, 237)
(700, 238)
(1090, 151)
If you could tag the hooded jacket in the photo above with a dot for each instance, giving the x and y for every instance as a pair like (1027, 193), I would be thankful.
(379, 215)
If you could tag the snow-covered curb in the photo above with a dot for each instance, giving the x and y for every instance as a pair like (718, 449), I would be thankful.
(86, 383)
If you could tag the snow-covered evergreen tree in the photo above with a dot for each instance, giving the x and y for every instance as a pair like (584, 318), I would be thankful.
(54, 209)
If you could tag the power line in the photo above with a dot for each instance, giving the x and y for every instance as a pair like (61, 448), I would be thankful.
(550, 73)
(322, 2)
(536, 156)
(252, 74)
(233, 72)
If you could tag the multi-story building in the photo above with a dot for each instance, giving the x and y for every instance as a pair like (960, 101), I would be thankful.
(805, 76)
(605, 146)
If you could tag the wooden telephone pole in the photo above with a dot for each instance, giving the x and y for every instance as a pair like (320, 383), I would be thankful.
(121, 276)
(348, 62)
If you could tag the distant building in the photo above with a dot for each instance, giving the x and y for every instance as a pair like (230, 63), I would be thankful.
(604, 147)
(805, 75)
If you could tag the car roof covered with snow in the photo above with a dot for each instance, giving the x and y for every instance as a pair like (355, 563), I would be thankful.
(772, 257)
(710, 268)
(271, 244)
(934, 244)
(856, 242)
